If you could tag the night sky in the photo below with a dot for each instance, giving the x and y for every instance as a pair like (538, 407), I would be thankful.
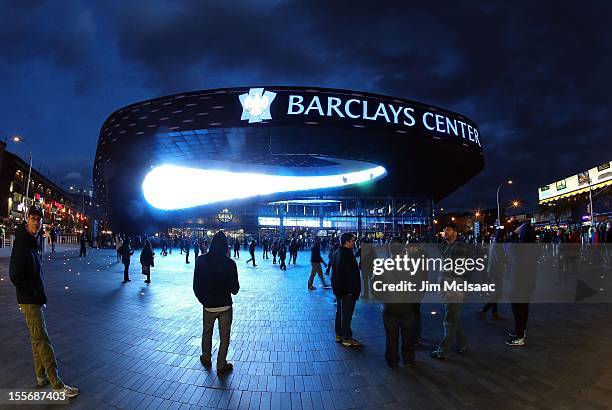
(536, 77)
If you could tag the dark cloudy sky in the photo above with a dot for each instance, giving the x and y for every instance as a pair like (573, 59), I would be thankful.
(535, 77)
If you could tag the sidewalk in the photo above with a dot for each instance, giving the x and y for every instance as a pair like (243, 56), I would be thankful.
(6, 251)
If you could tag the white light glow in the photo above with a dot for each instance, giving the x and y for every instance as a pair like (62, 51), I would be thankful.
(305, 202)
(268, 221)
(171, 187)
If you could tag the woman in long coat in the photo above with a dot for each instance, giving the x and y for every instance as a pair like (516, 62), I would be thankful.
(146, 260)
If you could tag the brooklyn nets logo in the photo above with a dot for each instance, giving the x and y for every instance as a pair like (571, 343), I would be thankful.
(225, 216)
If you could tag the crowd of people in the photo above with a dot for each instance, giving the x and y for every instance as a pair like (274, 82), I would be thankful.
(215, 280)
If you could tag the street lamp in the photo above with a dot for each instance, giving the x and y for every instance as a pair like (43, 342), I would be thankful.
(18, 138)
(509, 182)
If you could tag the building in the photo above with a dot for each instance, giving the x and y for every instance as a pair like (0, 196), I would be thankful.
(281, 158)
(569, 200)
(60, 209)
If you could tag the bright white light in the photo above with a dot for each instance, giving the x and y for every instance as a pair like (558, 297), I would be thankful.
(305, 202)
(307, 222)
(268, 221)
(172, 187)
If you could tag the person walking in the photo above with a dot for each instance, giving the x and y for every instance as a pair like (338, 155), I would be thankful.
(366, 257)
(196, 248)
(282, 255)
(453, 300)
(252, 252)
(118, 245)
(293, 251)
(266, 249)
(215, 280)
(401, 319)
(330, 256)
(83, 250)
(146, 260)
(274, 251)
(523, 267)
(346, 284)
(126, 254)
(237, 248)
(25, 271)
(315, 261)
(187, 247)
(496, 268)
(53, 234)
(203, 246)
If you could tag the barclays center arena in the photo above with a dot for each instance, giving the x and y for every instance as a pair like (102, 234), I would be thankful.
(279, 159)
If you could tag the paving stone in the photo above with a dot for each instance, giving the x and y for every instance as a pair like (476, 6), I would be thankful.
(138, 346)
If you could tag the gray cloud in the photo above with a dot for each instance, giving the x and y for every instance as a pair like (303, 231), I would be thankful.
(535, 76)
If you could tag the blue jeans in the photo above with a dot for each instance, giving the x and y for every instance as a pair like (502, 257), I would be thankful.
(453, 332)
(345, 306)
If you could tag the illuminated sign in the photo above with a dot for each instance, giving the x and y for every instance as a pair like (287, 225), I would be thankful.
(391, 113)
(171, 187)
(225, 216)
(577, 183)
(256, 105)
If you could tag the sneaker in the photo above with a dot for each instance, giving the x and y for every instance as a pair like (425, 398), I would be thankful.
(351, 343)
(436, 354)
(69, 391)
(225, 369)
(205, 362)
(512, 335)
(516, 341)
(311, 288)
(42, 381)
(338, 339)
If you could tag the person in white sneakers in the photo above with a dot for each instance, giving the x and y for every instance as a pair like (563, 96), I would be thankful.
(26, 274)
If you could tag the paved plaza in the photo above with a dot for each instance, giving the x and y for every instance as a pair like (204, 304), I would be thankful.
(137, 346)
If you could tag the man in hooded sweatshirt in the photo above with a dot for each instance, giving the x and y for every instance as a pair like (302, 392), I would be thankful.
(215, 280)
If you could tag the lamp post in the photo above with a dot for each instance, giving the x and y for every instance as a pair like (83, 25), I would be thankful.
(509, 182)
(18, 138)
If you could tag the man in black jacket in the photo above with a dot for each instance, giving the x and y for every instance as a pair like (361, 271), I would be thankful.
(346, 284)
(126, 254)
(215, 280)
(252, 252)
(315, 260)
(26, 274)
